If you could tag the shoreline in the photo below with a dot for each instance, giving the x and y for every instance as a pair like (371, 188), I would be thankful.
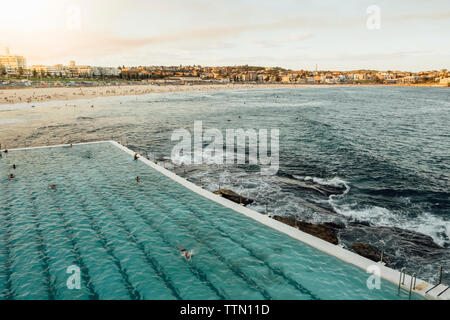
(11, 96)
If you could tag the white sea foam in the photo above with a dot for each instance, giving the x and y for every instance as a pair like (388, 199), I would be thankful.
(425, 223)
(334, 182)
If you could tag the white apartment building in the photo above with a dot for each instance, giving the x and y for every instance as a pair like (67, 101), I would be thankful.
(12, 63)
(105, 71)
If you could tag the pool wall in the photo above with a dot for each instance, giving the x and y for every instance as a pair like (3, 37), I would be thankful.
(422, 287)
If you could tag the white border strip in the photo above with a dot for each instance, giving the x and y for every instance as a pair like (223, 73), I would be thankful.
(57, 146)
(386, 273)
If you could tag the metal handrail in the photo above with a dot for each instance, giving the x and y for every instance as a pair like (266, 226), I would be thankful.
(400, 282)
(411, 288)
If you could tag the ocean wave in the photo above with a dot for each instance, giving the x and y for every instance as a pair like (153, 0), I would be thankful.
(333, 182)
(425, 223)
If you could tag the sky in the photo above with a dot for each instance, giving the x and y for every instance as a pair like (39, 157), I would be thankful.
(409, 35)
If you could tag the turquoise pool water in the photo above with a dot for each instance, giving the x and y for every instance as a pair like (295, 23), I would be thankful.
(126, 237)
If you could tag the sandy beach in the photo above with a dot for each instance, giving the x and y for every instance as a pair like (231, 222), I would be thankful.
(32, 95)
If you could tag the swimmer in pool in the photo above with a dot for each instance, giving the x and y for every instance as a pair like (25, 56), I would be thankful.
(187, 254)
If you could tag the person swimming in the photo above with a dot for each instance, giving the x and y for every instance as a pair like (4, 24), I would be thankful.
(136, 156)
(11, 176)
(138, 179)
(14, 167)
(187, 254)
(52, 186)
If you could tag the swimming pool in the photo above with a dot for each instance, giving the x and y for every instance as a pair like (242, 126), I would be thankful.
(126, 237)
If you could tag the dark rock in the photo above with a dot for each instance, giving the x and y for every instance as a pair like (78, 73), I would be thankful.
(335, 225)
(406, 237)
(361, 223)
(368, 251)
(401, 248)
(233, 196)
(321, 231)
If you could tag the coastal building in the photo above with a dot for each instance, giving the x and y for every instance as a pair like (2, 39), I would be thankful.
(74, 70)
(42, 70)
(84, 71)
(13, 64)
(105, 71)
(409, 79)
(444, 82)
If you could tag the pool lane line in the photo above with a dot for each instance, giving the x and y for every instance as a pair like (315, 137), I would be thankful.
(77, 259)
(252, 253)
(201, 276)
(97, 297)
(41, 254)
(93, 295)
(236, 270)
(132, 291)
(152, 263)
(85, 274)
(6, 225)
(288, 280)
(151, 224)
(42, 249)
(224, 234)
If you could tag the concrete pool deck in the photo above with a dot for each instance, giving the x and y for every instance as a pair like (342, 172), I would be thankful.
(422, 288)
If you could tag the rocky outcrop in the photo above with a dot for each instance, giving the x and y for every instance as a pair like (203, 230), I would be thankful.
(233, 196)
(369, 252)
(321, 231)
(401, 248)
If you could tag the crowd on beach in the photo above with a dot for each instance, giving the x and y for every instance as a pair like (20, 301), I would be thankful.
(29, 95)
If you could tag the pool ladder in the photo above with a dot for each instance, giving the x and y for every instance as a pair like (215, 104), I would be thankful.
(412, 283)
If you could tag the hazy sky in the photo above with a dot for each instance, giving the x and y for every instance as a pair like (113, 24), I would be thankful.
(298, 34)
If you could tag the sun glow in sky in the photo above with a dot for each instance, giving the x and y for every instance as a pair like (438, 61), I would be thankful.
(298, 34)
